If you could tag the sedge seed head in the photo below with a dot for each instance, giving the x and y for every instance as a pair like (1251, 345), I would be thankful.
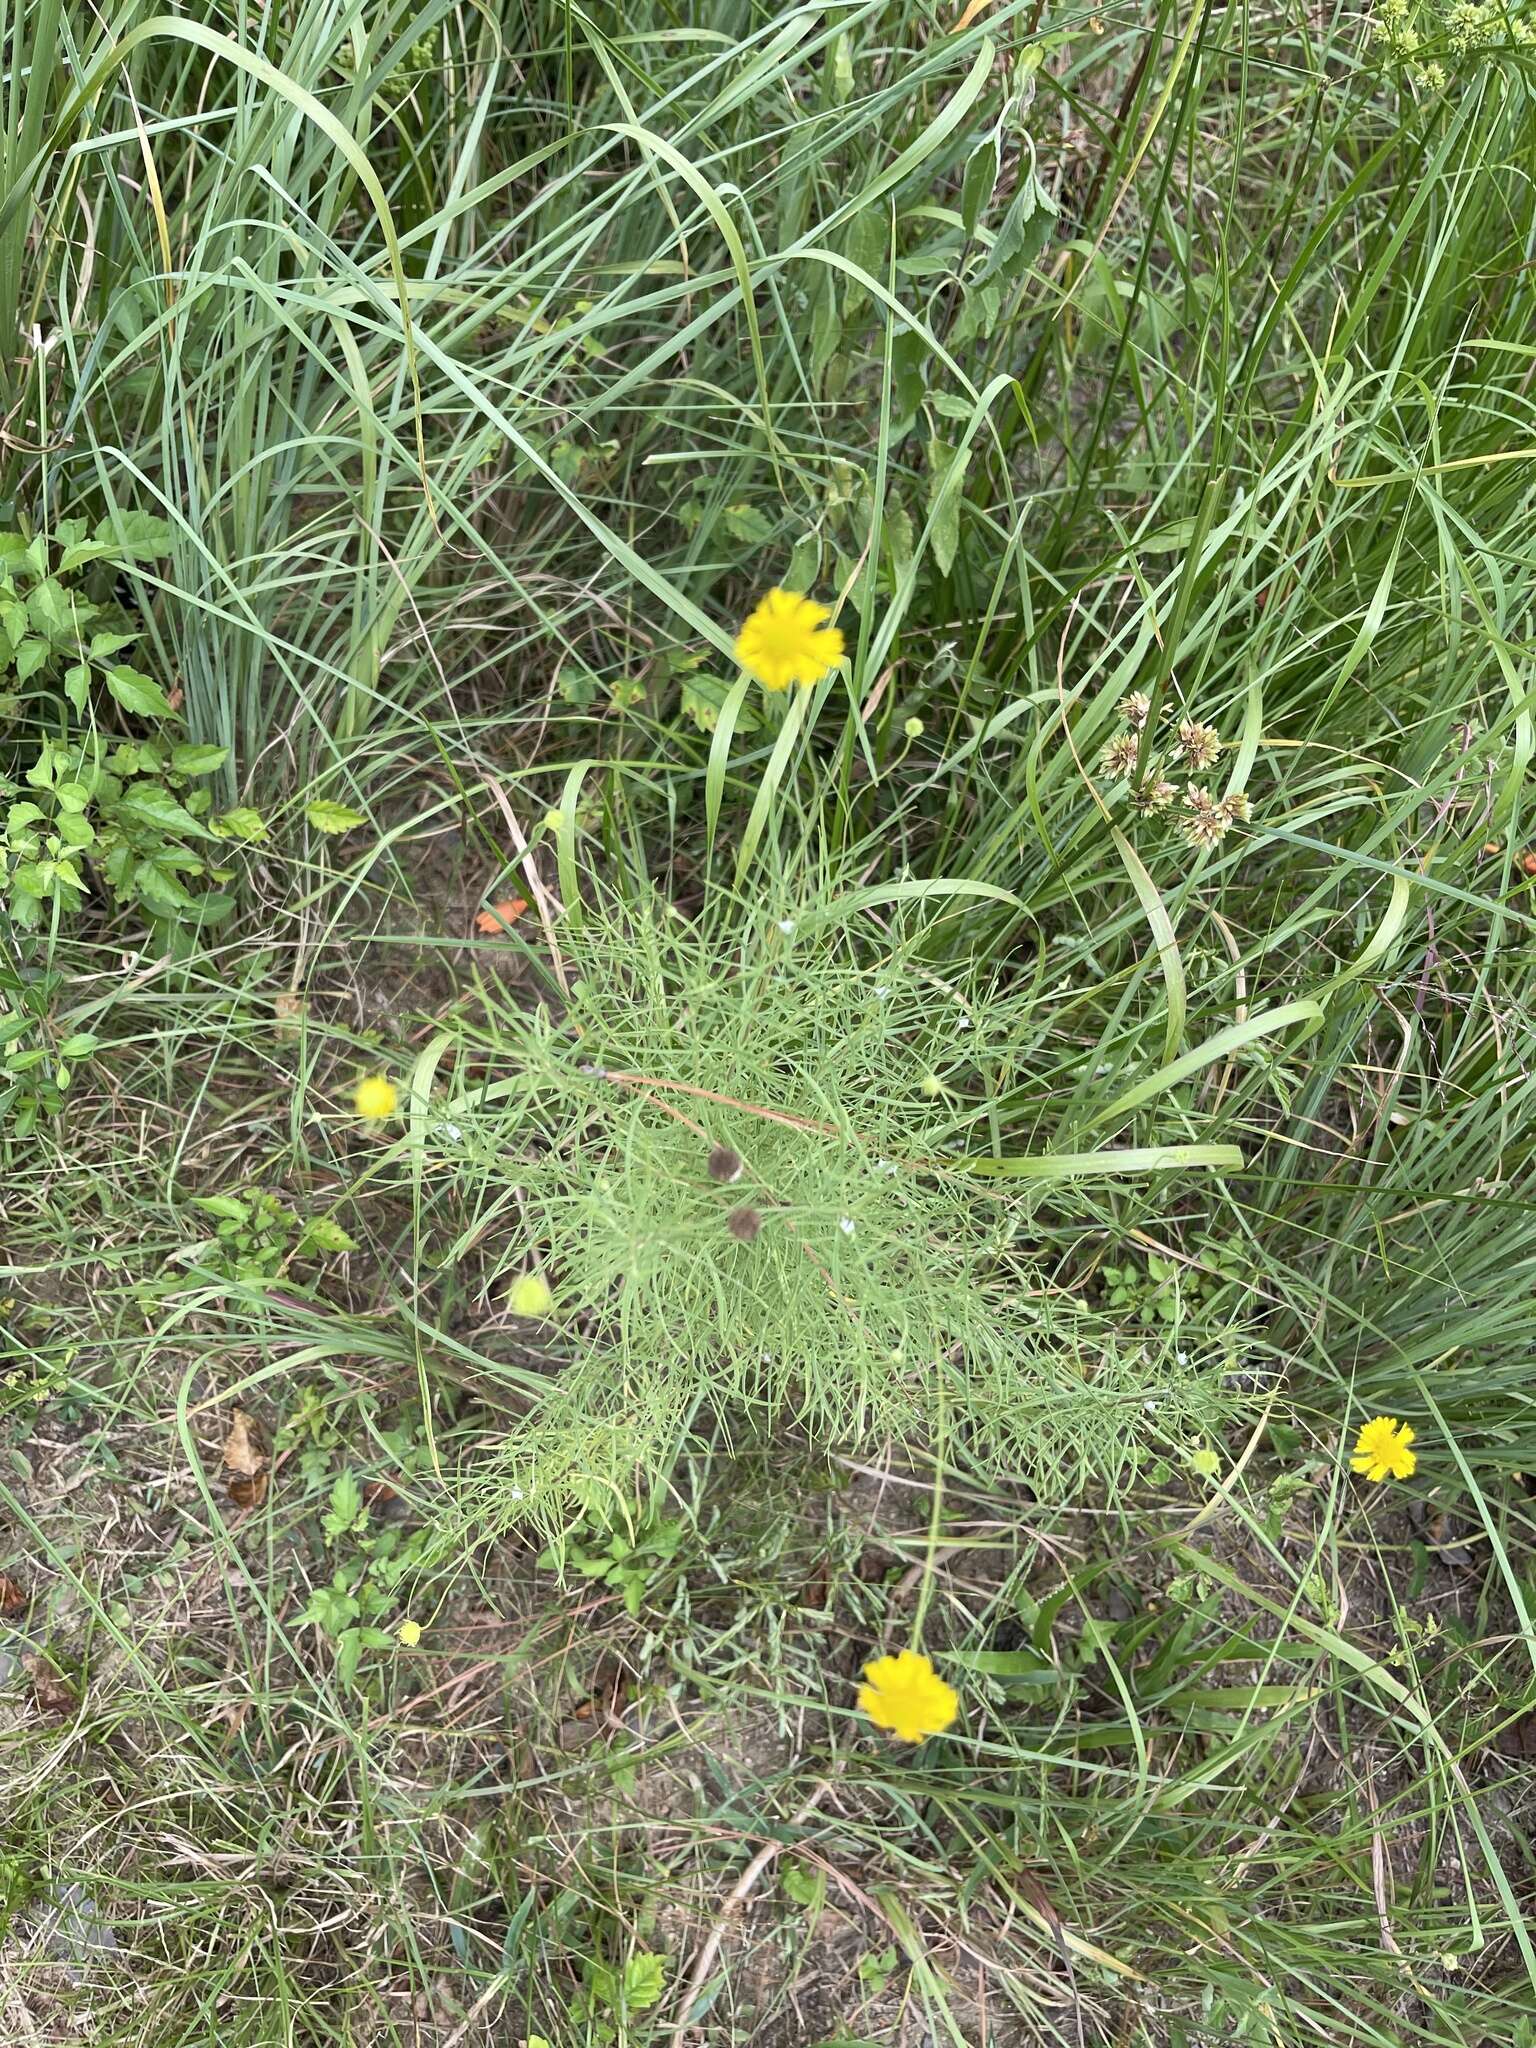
(725, 1165)
(744, 1224)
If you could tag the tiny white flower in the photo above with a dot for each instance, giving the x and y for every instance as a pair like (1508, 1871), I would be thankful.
(846, 1225)
(1182, 1357)
(882, 990)
(451, 1132)
(517, 1493)
(962, 1022)
(787, 926)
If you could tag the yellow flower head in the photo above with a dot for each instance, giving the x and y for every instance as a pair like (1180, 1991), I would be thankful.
(787, 640)
(906, 1695)
(529, 1295)
(409, 1633)
(1381, 1450)
(375, 1098)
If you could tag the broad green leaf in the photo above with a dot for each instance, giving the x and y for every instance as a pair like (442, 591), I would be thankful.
(746, 523)
(50, 610)
(75, 829)
(188, 759)
(330, 817)
(826, 325)
(865, 244)
(576, 687)
(79, 552)
(1024, 231)
(104, 645)
(241, 823)
(137, 536)
(645, 1979)
(703, 699)
(946, 475)
(154, 805)
(137, 693)
(978, 183)
(321, 1234)
(159, 889)
(30, 657)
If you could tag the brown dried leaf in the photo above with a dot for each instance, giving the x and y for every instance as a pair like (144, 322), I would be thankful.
(13, 1595)
(50, 1689)
(247, 1461)
(1518, 1738)
(245, 1448)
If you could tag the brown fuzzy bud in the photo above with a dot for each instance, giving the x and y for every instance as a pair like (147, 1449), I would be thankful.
(744, 1224)
(725, 1165)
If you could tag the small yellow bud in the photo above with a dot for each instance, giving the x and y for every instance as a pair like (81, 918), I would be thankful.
(913, 728)
(930, 1085)
(529, 1295)
(553, 820)
(375, 1098)
(409, 1633)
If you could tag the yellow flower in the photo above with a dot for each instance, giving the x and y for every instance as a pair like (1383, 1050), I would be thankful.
(787, 640)
(409, 1633)
(375, 1098)
(906, 1695)
(529, 1295)
(1382, 1452)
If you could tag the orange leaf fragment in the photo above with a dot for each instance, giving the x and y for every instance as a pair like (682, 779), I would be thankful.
(501, 916)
